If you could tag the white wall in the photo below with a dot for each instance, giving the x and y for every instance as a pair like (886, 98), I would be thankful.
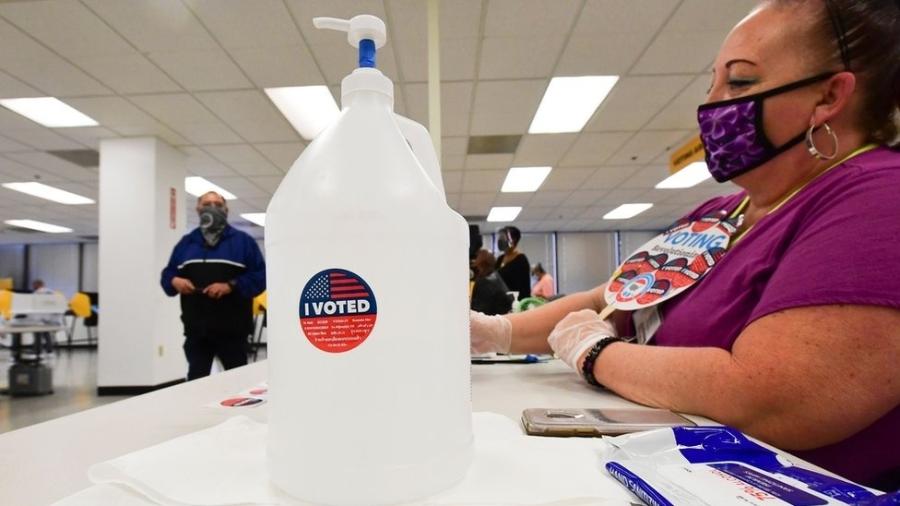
(56, 265)
(585, 260)
(12, 263)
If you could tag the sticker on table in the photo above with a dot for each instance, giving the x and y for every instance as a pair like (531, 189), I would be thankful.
(669, 264)
(337, 310)
(241, 402)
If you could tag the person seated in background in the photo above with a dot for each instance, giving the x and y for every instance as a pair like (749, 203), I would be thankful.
(512, 264)
(489, 294)
(794, 336)
(38, 286)
(543, 285)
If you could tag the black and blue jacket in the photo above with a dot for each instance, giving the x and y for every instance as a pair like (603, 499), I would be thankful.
(235, 258)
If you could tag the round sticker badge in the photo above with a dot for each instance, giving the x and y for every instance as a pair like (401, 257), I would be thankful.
(337, 310)
(669, 264)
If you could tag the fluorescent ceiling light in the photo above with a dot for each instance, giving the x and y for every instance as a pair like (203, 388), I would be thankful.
(569, 103)
(39, 225)
(309, 109)
(48, 111)
(524, 179)
(48, 192)
(257, 218)
(626, 211)
(692, 175)
(503, 213)
(197, 186)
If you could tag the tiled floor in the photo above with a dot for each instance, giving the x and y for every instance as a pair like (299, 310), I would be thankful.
(74, 389)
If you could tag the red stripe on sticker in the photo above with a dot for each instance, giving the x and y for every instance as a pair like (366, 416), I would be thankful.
(354, 295)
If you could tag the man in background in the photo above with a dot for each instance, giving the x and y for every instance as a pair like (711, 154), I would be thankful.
(217, 270)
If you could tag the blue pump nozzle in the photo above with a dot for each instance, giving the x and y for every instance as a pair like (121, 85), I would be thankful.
(367, 53)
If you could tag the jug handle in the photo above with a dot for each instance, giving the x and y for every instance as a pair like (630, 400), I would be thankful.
(420, 142)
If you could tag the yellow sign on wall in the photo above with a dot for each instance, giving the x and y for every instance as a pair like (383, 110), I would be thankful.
(691, 151)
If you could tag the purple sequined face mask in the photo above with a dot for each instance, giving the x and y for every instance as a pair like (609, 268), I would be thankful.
(733, 136)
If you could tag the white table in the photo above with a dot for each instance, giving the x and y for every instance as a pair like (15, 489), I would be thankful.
(46, 462)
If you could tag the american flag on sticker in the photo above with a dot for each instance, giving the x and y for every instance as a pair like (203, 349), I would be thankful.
(336, 286)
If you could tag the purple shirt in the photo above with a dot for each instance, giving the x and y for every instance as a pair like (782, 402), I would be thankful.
(835, 242)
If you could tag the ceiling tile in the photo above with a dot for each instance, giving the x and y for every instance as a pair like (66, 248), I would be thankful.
(242, 187)
(456, 99)
(583, 198)
(566, 179)
(282, 154)
(458, 58)
(646, 177)
(626, 25)
(647, 145)
(129, 73)
(548, 198)
(244, 159)
(452, 180)
(593, 149)
(459, 18)
(519, 57)
(454, 145)
(69, 28)
(250, 114)
(514, 18)
(543, 149)
(483, 181)
(682, 111)
(201, 70)
(184, 114)
(608, 177)
(267, 183)
(243, 24)
(7, 144)
(49, 163)
(512, 199)
(721, 15)
(160, 25)
(453, 162)
(199, 163)
(10, 87)
(680, 52)
(89, 136)
(41, 138)
(279, 66)
(505, 107)
(494, 161)
(634, 100)
(534, 213)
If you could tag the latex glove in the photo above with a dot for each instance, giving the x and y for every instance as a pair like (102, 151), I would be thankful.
(489, 333)
(574, 335)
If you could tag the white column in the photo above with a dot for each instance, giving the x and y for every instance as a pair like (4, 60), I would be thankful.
(142, 217)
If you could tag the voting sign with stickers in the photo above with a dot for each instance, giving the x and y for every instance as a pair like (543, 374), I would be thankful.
(670, 263)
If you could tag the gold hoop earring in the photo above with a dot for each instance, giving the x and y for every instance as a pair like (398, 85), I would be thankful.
(811, 145)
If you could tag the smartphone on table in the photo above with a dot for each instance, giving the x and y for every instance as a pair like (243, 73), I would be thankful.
(598, 422)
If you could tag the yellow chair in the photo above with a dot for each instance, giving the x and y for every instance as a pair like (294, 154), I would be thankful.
(80, 305)
(6, 304)
(260, 306)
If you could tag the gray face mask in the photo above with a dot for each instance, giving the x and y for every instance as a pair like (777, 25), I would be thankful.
(212, 224)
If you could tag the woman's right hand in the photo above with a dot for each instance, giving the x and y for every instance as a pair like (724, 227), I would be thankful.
(489, 333)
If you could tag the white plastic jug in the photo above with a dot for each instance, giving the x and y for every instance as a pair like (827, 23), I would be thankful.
(369, 372)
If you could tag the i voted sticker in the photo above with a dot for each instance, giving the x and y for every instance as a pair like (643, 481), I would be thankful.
(337, 310)
(669, 264)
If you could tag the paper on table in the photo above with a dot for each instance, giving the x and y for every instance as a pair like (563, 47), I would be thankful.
(225, 465)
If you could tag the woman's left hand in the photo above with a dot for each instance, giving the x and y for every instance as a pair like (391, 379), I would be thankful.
(574, 335)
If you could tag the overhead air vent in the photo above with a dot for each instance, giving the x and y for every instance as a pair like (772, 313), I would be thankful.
(493, 144)
(476, 218)
(87, 158)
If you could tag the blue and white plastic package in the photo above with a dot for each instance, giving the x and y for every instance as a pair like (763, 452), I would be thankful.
(718, 466)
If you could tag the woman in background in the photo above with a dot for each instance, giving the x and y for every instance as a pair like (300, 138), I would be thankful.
(489, 292)
(543, 286)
